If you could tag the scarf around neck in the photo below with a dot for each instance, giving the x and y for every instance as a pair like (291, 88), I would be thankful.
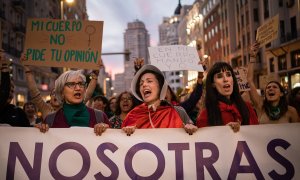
(76, 114)
(273, 112)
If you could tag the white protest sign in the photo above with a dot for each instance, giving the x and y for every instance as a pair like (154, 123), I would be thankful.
(268, 31)
(255, 152)
(241, 76)
(175, 58)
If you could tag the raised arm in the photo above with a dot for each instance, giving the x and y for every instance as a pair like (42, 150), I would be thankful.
(93, 83)
(255, 97)
(195, 96)
(34, 92)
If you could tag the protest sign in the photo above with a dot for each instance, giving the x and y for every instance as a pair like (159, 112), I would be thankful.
(255, 152)
(63, 43)
(241, 76)
(265, 79)
(175, 58)
(268, 31)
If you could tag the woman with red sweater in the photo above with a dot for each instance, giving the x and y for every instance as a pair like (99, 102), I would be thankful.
(223, 102)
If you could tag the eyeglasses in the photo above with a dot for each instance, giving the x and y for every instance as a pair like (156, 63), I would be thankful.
(126, 99)
(72, 85)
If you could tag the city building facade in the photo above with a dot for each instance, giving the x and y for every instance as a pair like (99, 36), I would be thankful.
(137, 41)
(277, 60)
(13, 18)
(168, 35)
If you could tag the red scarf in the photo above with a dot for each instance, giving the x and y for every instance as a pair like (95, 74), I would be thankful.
(229, 113)
(163, 117)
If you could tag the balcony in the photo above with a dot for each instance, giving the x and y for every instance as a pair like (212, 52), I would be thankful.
(19, 4)
(19, 28)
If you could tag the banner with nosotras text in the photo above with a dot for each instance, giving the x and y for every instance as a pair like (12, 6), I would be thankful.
(256, 152)
(63, 43)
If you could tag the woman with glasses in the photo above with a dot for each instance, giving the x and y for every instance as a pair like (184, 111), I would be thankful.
(53, 105)
(124, 104)
(149, 86)
(223, 102)
(70, 90)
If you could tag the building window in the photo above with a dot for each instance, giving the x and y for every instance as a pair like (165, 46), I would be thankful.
(272, 65)
(266, 9)
(247, 17)
(255, 15)
(295, 58)
(248, 38)
(281, 63)
(242, 20)
(177, 80)
(243, 40)
(280, 3)
(294, 27)
(282, 30)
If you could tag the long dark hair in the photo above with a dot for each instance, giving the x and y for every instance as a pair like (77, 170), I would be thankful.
(283, 105)
(212, 96)
(158, 76)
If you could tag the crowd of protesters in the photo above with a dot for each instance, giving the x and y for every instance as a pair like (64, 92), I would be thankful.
(150, 103)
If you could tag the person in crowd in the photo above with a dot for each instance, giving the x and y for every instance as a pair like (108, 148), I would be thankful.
(273, 107)
(223, 103)
(100, 102)
(53, 105)
(294, 99)
(149, 86)
(188, 105)
(112, 104)
(10, 115)
(31, 113)
(70, 92)
(124, 104)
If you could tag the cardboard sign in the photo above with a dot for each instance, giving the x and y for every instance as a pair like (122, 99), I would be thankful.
(268, 31)
(241, 76)
(175, 58)
(63, 43)
(265, 79)
(255, 152)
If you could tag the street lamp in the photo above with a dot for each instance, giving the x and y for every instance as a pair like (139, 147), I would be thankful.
(62, 7)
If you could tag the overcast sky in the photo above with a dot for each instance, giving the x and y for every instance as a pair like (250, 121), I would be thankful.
(117, 13)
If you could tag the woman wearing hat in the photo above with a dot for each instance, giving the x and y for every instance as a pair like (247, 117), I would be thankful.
(150, 87)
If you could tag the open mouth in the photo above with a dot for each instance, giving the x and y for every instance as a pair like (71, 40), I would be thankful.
(271, 94)
(147, 93)
(77, 95)
(226, 87)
